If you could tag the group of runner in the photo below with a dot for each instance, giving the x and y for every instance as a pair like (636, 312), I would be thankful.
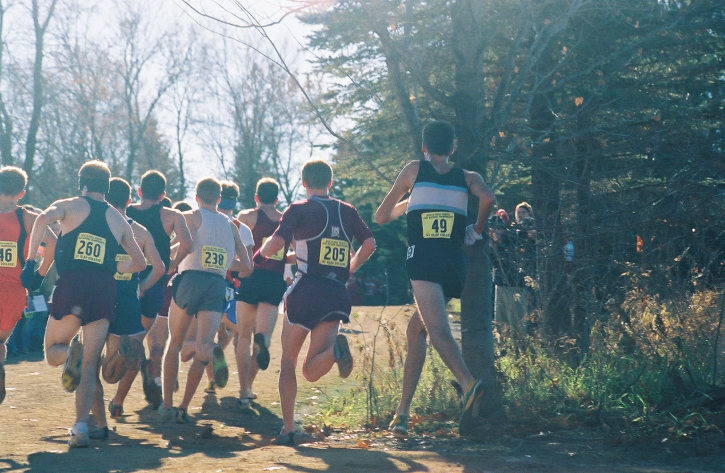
(122, 267)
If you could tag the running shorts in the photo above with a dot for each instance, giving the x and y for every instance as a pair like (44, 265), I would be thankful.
(445, 267)
(12, 303)
(313, 299)
(87, 293)
(200, 290)
(128, 315)
(262, 286)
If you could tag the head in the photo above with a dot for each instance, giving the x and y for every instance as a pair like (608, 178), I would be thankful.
(503, 215)
(153, 186)
(267, 191)
(523, 210)
(119, 193)
(230, 193)
(12, 182)
(317, 174)
(165, 202)
(208, 191)
(94, 176)
(496, 227)
(181, 206)
(438, 138)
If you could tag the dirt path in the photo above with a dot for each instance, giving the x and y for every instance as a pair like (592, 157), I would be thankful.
(36, 415)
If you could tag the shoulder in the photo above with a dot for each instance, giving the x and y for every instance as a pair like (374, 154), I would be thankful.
(246, 213)
(28, 217)
(471, 176)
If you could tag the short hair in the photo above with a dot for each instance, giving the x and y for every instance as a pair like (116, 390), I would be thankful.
(153, 185)
(12, 180)
(119, 192)
(165, 202)
(230, 189)
(209, 190)
(93, 176)
(267, 190)
(181, 206)
(527, 206)
(438, 137)
(317, 174)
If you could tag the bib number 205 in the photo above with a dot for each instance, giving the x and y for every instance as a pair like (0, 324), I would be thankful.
(334, 252)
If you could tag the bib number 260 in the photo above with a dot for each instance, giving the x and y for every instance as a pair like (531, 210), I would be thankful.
(91, 248)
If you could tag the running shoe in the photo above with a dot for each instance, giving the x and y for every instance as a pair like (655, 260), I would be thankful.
(99, 434)
(114, 369)
(151, 390)
(210, 388)
(284, 439)
(343, 357)
(115, 410)
(2, 383)
(243, 404)
(131, 350)
(219, 365)
(262, 351)
(399, 426)
(251, 394)
(79, 440)
(470, 407)
(167, 413)
(71, 376)
(181, 416)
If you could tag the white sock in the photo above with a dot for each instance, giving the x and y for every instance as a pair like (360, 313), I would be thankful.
(157, 381)
(80, 428)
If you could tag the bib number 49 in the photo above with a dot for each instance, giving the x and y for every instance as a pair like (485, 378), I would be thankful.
(437, 224)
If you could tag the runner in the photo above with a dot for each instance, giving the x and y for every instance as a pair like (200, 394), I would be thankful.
(260, 294)
(124, 346)
(436, 214)
(15, 223)
(322, 229)
(84, 296)
(200, 290)
(161, 222)
(228, 328)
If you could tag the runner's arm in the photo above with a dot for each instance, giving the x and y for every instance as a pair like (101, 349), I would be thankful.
(362, 254)
(245, 266)
(152, 254)
(391, 207)
(128, 243)
(272, 246)
(55, 212)
(183, 238)
(486, 199)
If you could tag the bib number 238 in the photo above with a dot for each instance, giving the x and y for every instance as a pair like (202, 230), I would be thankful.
(213, 257)
(334, 252)
(437, 224)
(91, 248)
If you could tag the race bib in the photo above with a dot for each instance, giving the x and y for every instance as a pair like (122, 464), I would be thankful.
(437, 224)
(334, 252)
(8, 254)
(213, 257)
(90, 248)
(279, 256)
(122, 276)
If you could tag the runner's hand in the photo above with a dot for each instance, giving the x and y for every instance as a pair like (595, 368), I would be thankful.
(29, 277)
(471, 235)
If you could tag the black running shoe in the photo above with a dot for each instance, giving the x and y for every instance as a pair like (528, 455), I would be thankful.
(262, 351)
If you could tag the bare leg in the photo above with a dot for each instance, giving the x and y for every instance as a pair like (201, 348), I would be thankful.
(4, 335)
(293, 336)
(414, 361)
(432, 308)
(156, 339)
(94, 336)
(179, 322)
(193, 378)
(207, 326)
(124, 386)
(266, 320)
(246, 323)
(320, 357)
(58, 334)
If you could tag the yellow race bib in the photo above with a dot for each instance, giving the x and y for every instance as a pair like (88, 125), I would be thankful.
(91, 248)
(122, 276)
(334, 252)
(213, 257)
(437, 224)
(279, 256)
(8, 254)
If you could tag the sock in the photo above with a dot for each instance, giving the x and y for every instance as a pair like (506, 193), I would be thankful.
(157, 381)
(80, 428)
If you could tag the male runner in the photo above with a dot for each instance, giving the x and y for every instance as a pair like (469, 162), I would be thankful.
(228, 328)
(14, 224)
(124, 346)
(161, 222)
(200, 290)
(85, 294)
(259, 295)
(322, 229)
(436, 265)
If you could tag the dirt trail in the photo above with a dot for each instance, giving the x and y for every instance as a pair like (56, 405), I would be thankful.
(36, 415)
